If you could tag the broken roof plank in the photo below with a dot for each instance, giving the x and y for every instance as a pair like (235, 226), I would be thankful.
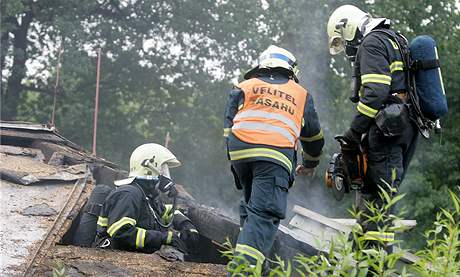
(28, 135)
(216, 226)
(26, 125)
(47, 139)
(73, 204)
(321, 219)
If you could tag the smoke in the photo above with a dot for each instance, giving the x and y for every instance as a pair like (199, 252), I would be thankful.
(206, 171)
(311, 49)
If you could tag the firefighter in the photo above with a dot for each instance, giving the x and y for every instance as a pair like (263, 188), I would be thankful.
(381, 93)
(134, 218)
(265, 117)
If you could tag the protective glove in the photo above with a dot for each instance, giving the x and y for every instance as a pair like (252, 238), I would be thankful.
(173, 239)
(352, 139)
(189, 234)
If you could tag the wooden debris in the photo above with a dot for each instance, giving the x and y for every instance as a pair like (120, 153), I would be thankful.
(35, 154)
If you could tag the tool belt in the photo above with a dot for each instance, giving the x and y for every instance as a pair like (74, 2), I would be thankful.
(393, 119)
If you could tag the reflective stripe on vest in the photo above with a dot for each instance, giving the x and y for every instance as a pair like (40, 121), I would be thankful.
(265, 127)
(267, 115)
(272, 113)
(260, 152)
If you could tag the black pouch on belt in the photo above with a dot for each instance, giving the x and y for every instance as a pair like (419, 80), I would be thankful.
(393, 119)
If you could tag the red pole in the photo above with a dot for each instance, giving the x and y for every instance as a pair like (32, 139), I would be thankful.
(96, 105)
(56, 85)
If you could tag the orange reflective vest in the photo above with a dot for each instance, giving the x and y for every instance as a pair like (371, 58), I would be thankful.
(271, 114)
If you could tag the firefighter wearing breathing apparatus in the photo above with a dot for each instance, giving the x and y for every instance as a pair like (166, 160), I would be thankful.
(265, 117)
(134, 218)
(381, 126)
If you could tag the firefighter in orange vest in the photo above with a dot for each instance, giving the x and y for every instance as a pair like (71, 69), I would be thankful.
(265, 117)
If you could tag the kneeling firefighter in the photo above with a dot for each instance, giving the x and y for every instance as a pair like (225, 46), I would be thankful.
(265, 117)
(383, 127)
(134, 218)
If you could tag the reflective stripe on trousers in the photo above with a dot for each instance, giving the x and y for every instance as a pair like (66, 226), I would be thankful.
(380, 236)
(251, 252)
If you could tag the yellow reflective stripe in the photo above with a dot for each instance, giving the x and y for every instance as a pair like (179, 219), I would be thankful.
(249, 125)
(169, 237)
(140, 238)
(309, 157)
(168, 208)
(167, 215)
(260, 152)
(361, 91)
(250, 251)
(366, 110)
(395, 46)
(240, 106)
(194, 231)
(227, 131)
(121, 222)
(380, 236)
(313, 138)
(376, 78)
(268, 115)
(102, 221)
(396, 66)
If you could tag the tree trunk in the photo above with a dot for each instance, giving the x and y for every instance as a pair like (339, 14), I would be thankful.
(14, 88)
(4, 48)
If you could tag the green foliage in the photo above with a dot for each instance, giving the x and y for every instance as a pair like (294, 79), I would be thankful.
(441, 257)
(356, 256)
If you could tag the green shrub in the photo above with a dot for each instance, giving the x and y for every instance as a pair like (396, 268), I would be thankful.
(441, 256)
(355, 256)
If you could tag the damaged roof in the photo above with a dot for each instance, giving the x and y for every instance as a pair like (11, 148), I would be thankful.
(45, 181)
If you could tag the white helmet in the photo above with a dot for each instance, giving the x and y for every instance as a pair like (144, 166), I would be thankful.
(148, 161)
(343, 26)
(275, 57)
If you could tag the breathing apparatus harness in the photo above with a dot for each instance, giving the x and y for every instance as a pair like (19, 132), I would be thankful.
(166, 186)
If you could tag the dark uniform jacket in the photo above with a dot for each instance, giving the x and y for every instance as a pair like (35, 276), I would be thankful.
(380, 77)
(311, 134)
(127, 221)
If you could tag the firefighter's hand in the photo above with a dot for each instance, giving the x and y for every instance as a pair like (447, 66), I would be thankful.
(173, 239)
(351, 138)
(191, 237)
(302, 170)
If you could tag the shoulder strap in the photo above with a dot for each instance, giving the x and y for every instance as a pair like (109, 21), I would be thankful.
(422, 122)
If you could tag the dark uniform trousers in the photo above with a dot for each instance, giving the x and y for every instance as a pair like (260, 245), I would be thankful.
(265, 189)
(385, 156)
